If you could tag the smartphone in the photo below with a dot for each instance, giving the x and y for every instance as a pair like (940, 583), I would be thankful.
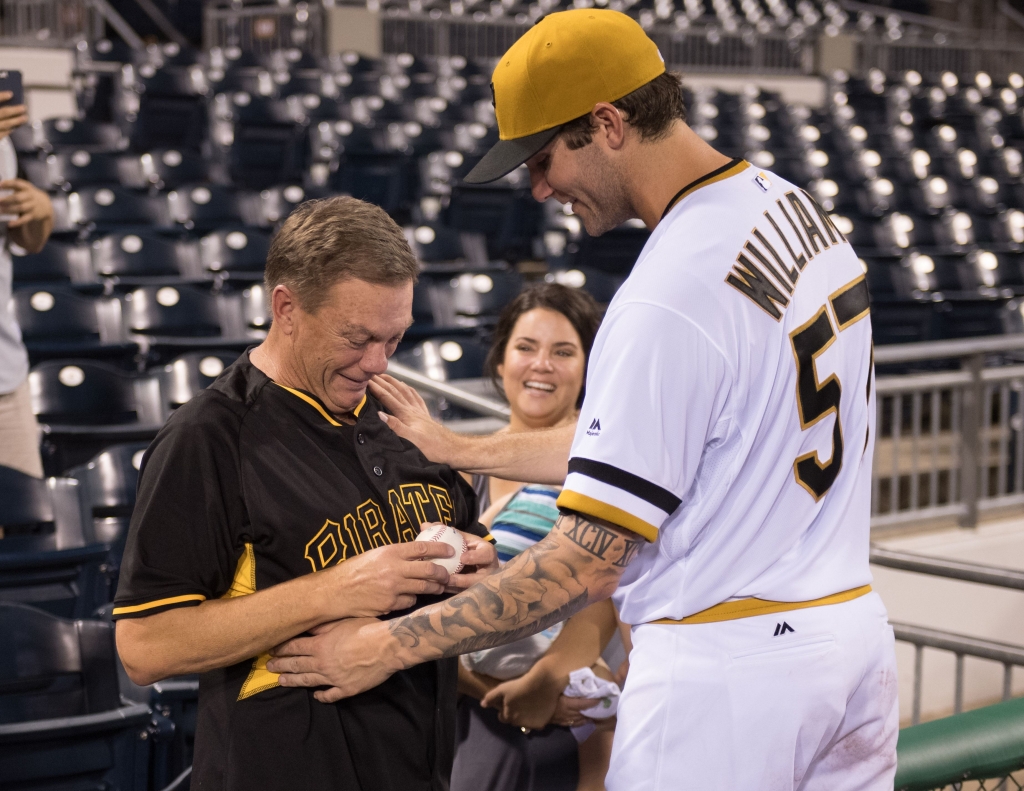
(10, 80)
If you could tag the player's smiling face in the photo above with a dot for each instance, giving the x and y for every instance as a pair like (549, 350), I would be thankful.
(349, 339)
(585, 179)
(542, 371)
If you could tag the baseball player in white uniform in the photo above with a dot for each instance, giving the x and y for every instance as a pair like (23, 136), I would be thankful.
(718, 482)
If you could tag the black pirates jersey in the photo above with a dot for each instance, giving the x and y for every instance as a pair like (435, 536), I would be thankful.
(251, 484)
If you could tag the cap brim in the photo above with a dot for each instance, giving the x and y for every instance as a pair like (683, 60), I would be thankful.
(506, 155)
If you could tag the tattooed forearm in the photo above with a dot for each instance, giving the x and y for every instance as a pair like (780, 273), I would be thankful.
(579, 562)
(632, 547)
(594, 538)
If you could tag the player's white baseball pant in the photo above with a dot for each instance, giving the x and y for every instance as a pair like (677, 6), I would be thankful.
(803, 700)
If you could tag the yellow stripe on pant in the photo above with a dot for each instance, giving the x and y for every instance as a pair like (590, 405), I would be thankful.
(748, 608)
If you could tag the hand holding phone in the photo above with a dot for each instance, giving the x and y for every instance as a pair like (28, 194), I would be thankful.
(13, 112)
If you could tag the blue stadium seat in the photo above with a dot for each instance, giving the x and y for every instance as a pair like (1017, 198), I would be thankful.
(600, 285)
(509, 217)
(166, 168)
(205, 206)
(187, 374)
(478, 297)
(111, 206)
(178, 311)
(108, 483)
(58, 260)
(133, 258)
(59, 134)
(72, 169)
(389, 180)
(235, 250)
(63, 726)
(57, 321)
(85, 406)
(446, 357)
(49, 556)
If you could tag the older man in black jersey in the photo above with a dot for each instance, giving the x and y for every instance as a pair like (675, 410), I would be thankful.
(276, 502)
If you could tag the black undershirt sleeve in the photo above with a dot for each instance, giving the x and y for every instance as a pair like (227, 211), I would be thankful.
(185, 538)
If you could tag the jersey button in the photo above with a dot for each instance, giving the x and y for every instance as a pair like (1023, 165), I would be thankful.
(378, 471)
(360, 439)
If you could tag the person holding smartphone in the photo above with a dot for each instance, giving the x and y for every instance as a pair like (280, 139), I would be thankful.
(26, 219)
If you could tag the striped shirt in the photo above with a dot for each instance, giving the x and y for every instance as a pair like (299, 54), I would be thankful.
(525, 520)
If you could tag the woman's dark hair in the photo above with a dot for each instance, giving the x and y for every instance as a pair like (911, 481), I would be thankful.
(577, 306)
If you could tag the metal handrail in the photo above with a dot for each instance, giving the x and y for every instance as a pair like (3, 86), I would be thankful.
(932, 350)
(456, 395)
(959, 644)
(952, 569)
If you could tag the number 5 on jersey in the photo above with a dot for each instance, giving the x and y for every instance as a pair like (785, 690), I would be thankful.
(815, 400)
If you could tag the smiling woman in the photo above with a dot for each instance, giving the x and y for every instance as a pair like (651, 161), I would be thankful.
(516, 739)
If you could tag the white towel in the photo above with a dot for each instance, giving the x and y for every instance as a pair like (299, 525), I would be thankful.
(584, 684)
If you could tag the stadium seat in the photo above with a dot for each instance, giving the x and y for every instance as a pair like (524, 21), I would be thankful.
(478, 297)
(133, 258)
(57, 321)
(108, 482)
(72, 169)
(58, 260)
(84, 406)
(509, 217)
(235, 250)
(49, 556)
(63, 726)
(445, 358)
(58, 134)
(174, 311)
(111, 206)
(187, 374)
(203, 207)
(166, 168)
(433, 242)
(389, 180)
(600, 285)
(614, 252)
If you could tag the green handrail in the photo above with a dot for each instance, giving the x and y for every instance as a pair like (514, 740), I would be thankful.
(980, 744)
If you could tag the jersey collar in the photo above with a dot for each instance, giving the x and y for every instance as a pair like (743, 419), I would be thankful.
(315, 403)
(730, 168)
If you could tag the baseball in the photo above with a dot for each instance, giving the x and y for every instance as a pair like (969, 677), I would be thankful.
(451, 537)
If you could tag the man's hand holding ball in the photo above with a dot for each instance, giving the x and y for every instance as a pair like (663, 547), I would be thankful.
(473, 558)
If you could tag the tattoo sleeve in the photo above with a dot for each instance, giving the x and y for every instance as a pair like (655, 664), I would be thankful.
(579, 562)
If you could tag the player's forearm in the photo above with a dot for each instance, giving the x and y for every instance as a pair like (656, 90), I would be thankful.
(220, 632)
(532, 456)
(578, 563)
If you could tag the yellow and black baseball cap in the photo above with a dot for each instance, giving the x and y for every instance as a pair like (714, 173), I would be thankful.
(563, 66)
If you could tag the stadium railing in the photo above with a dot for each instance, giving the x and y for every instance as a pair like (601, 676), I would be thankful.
(949, 443)
(980, 749)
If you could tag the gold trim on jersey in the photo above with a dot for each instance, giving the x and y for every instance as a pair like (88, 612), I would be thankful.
(739, 167)
(316, 405)
(244, 583)
(748, 608)
(588, 506)
(158, 603)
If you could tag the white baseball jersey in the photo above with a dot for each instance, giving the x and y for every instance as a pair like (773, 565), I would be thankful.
(729, 415)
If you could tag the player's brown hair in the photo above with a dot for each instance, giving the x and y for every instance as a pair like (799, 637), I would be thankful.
(331, 239)
(650, 109)
(577, 306)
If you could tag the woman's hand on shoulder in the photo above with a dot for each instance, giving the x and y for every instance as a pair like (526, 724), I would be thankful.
(407, 415)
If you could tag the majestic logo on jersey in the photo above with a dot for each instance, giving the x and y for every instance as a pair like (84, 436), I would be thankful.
(782, 628)
(814, 232)
(368, 527)
(595, 428)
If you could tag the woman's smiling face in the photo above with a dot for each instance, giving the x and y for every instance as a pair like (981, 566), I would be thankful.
(542, 371)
